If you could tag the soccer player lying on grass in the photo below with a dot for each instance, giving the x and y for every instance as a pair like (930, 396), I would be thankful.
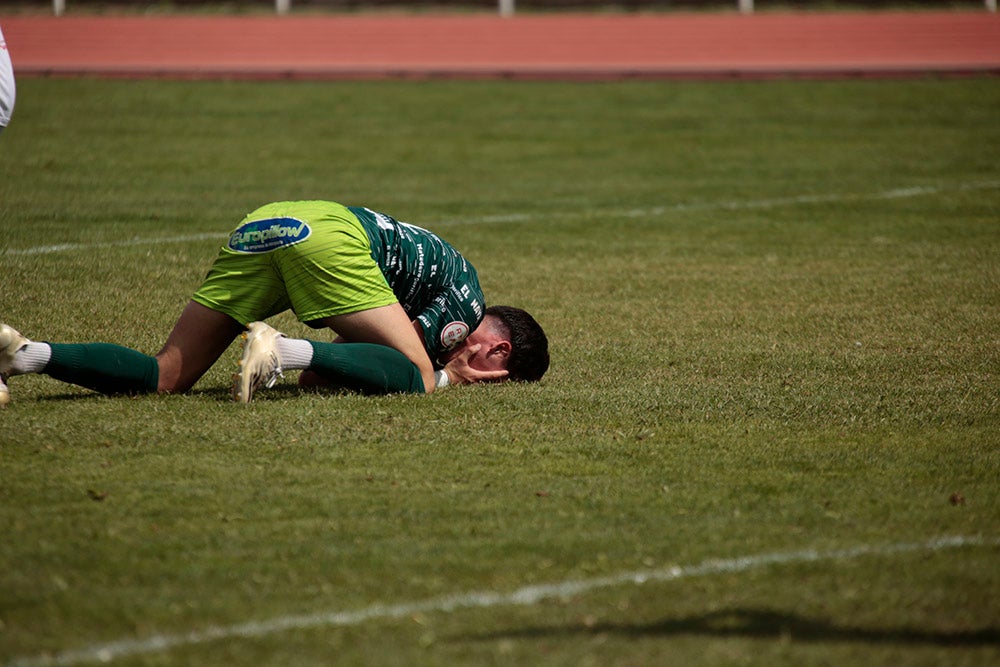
(396, 295)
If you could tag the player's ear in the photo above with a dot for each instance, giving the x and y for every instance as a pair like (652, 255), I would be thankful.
(502, 348)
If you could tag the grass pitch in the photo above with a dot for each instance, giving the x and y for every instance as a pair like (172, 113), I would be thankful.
(773, 311)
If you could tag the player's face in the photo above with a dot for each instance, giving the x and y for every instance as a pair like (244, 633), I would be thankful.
(492, 354)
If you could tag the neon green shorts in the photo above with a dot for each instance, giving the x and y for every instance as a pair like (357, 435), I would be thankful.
(313, 257)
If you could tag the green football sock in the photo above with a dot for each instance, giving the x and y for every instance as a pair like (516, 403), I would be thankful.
(103, 367)
(366, 368)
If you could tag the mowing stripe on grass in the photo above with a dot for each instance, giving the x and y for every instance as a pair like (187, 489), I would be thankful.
(898, 193)
(526, 596)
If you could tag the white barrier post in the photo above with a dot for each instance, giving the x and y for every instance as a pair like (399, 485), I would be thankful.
(58, 7)
(282, 6)
(746, 6)
(991, 5)
(506, 8)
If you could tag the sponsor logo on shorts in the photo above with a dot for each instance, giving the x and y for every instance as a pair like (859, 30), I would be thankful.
(453, 334)
(267, 235)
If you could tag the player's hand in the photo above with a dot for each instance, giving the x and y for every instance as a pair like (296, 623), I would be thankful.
(460, 371)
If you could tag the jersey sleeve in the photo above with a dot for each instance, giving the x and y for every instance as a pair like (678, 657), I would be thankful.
(454, 312)
(433, 282)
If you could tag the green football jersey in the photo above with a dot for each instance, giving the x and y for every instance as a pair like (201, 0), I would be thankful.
(435, 285)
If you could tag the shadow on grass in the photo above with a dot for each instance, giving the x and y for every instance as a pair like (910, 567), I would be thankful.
(221, 394)
(762, 624)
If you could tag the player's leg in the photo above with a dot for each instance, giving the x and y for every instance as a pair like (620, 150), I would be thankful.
(7, 86)
(197, 340)
(200, 336)
(362, 367)
(389, 326)
(103, 367)
(372, 362)
(365, 368)
(239, 288)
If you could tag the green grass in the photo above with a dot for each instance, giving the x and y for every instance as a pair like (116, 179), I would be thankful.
(773, 311)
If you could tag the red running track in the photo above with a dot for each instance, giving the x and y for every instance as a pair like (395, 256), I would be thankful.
(547, 46)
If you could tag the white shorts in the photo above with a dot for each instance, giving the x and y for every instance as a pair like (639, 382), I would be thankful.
(7, 89)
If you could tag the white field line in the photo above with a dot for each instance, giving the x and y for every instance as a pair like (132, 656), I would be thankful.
(900, 193)
(65, 247)
(749, 204)
(526, 596)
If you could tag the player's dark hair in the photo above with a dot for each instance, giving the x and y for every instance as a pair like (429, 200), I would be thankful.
(529, 356)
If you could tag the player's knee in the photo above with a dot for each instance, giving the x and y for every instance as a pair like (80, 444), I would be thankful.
(171, 380)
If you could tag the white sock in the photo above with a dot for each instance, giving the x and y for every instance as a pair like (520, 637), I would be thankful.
(296, 354)
(31, 358)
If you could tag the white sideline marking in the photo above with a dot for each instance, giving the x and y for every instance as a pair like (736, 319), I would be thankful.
(63, 247)
(525, 596)
(899, 193)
